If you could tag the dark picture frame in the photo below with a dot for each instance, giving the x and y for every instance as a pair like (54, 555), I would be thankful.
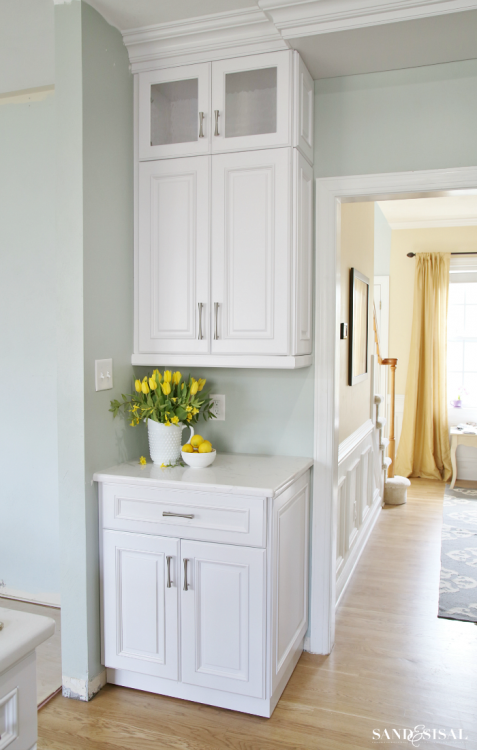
(358, 364)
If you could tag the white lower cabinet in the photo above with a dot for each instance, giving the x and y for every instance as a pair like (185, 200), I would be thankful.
(207, 621)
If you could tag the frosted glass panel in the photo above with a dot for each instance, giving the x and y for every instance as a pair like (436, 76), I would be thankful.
(174, 112)
(251, 102)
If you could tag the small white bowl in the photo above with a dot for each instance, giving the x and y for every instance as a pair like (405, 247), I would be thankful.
(199, 460)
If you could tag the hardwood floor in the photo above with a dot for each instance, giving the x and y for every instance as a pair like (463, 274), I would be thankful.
(394, 665)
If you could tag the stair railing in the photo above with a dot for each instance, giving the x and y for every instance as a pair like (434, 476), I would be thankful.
(392, 363)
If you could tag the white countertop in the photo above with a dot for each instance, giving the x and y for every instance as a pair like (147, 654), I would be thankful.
(22, 632)
(236, 474)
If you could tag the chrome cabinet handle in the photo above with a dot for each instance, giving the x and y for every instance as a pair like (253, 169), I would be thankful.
(200, 336)
(177, 515)
(168, 561)
(186, 585)
(201, 127)
(216, 112)
(216, 313)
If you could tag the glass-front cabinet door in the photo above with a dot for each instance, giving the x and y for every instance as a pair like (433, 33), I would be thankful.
(174, 112)
(251, 102)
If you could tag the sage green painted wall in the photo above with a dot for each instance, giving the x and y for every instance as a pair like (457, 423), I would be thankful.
(29, 544)
(266, 411)
(95, 281)
(419, 118)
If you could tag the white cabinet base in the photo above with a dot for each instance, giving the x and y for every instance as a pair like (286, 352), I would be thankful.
(234, 360)
(219, 698)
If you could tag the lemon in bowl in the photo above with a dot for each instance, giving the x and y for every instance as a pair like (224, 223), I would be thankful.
(200, 455)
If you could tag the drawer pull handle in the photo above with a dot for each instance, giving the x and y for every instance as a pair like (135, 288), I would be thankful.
(201, 120)
(216, 313)
(178, 515)
(216, 122)
(186, 585)
(168, 561)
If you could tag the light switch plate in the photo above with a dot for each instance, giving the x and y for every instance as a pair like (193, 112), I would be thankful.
(219, 406)
(103, 374)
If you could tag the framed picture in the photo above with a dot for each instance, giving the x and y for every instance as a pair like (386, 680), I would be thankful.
(358, 327)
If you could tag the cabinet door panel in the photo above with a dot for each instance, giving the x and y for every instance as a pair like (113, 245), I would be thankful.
(140, 617)
(250, 252)
(170, 103)
(223, 617)
(304, 109)
(251, 102)
(303, 253)
(173, 255)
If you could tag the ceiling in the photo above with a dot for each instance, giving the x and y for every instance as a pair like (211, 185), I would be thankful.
(430, 212)
(125, 14)
(392, 46)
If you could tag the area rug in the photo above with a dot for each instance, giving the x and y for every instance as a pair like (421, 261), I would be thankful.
(458, 588)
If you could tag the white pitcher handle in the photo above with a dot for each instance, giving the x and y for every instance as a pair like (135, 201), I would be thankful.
(192, 432)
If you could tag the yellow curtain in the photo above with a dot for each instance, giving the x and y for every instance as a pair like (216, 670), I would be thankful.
(423, 449)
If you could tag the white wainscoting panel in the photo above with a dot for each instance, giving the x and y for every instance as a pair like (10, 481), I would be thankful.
(359, 499)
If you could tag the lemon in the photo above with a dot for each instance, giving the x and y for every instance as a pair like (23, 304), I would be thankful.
(196, 441)
(187, 448)
(205, 446)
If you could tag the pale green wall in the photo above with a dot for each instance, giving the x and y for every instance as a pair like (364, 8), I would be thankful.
(382, 243)
(420, 118)
(95, 272)
(29, 546)
(266, 411)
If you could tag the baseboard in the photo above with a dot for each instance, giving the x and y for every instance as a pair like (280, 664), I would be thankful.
(46, 600)
(358, 547)
(83, 690)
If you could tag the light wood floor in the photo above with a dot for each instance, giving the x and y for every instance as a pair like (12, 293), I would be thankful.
(48, 654)
(394, 665)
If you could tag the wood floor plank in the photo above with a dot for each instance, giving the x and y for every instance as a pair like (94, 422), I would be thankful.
(394, 665)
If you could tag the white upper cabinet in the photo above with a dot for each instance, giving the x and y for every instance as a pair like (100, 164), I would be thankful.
(251, 98)
(174, 112)
(303, 108)
(172, 291)
(251, 252)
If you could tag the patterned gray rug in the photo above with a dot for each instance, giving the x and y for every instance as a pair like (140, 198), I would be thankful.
(458, 589)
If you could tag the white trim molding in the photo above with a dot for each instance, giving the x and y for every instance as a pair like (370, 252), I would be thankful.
(432, 223)
(330, 193)
(211, 37)
(266, 28)
(350, 444)
(83, 690)
(298, 18)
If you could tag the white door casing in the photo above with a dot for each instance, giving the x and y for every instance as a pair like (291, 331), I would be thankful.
(250, 252)
(174, 255)
(246, 102)
(140, 611)
(330, 192)
(223, 617)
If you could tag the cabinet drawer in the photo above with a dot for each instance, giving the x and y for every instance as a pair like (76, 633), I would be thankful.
(214, 517)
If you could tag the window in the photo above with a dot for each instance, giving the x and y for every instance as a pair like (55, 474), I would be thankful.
(462, 340)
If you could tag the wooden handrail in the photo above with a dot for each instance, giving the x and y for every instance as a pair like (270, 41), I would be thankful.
(392, 363)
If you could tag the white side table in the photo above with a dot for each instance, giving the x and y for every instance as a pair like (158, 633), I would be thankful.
(457, 437)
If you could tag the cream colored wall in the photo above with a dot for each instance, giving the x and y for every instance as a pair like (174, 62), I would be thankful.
(401, 287)
(357, 251)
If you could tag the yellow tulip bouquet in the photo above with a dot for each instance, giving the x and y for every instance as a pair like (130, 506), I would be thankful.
(168, 399)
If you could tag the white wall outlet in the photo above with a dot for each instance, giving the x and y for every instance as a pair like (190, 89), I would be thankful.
(219, 406)
(103, 374)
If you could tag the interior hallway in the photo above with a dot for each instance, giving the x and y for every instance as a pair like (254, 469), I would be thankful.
(395, 665)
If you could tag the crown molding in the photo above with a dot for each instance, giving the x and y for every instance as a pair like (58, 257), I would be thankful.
(296, 18)
(431, 223)
(212, 37)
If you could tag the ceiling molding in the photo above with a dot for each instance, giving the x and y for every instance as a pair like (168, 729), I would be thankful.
(432, 223)
(296, 18)
(212, 37)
